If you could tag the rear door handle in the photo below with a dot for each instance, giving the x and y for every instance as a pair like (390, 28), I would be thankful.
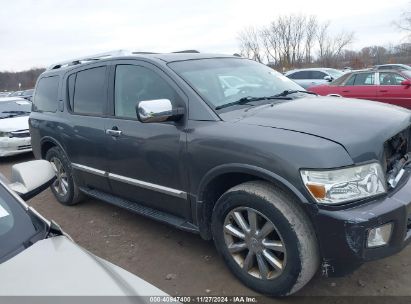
(383, 91)
(113, 132)
(346, 91)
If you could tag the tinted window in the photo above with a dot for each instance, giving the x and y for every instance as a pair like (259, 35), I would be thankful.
(364, 79)
(136, 83)
(90, 93)
(45, 99)
(317, 75)
(391, 78)
(70, 84)
(299, 75)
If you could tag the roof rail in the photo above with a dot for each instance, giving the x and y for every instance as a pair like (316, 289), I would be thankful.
(88, 58)
(187, 51)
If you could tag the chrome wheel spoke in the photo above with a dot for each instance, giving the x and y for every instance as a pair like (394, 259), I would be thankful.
(254, 243)
(234, 231)
(239, 219)
(262, 266)
(273, 245)
(266, 230)
(252, 220)
(237, 247)
(248, 261)
(273, 260)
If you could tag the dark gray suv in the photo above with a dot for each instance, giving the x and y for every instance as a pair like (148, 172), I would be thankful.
(284, 181)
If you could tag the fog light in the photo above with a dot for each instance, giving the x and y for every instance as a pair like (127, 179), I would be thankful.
(379, 236)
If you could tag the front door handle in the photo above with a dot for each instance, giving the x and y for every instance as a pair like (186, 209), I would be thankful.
(115, 132)
(383, 91)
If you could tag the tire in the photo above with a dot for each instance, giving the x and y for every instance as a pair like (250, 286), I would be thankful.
(282, 272)
(65, 179)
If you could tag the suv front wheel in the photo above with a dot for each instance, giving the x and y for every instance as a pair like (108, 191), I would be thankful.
(265, 238)
(64, 187)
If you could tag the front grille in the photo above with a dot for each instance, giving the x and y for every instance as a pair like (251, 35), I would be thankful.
(19, 134)
(395, 148)
(24, 147)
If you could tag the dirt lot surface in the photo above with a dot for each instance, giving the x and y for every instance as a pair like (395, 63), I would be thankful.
(181, 263)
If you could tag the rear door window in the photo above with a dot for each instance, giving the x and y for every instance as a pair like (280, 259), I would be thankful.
(90, 92)
(46, 94)
(317, 75)
(300, 75)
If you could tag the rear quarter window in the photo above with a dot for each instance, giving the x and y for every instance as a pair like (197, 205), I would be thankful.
(46, 94)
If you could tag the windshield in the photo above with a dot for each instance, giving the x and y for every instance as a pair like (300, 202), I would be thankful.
(335, 73)
(221, 81)
(16, 226)
(14, 108)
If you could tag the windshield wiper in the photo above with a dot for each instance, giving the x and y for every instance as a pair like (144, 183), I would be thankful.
(247, 99)
(289, 92)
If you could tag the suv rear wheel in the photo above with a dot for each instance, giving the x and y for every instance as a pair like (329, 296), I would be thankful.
(265, 238)
(64, 187)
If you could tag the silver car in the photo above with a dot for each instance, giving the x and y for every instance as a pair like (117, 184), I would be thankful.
(38, 259)
(313, 76)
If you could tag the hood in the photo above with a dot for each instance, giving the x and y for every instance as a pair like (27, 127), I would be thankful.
(14, 124)
(58, 267)
(353, 123)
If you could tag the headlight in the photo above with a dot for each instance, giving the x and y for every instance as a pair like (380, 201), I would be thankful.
(343, 185)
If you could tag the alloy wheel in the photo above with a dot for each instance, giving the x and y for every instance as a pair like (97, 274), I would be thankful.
(60, 185)
(254, 243)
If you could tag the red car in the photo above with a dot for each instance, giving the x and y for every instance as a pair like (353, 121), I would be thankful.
(389, 86)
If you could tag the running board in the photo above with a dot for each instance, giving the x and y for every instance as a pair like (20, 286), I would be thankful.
(160, 216)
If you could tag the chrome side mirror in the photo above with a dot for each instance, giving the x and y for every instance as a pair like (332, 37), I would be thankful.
(328, 78)
(30, 178)
(157, 110)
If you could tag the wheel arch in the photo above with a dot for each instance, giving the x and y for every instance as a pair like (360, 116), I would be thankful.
(47, 143)
(219, 179)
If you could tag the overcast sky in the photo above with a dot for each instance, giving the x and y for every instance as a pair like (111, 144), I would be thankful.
(37, 33)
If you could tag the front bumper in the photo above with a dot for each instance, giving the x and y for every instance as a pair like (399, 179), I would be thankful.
(342, 233)
(14, 145)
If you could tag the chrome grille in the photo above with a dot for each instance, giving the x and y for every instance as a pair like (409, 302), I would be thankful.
(20, 134)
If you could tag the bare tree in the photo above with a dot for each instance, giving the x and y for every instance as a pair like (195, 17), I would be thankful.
(250, 45)
(330, 47)
(289, 41)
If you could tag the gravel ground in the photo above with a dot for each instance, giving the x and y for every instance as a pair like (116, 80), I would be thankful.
(181, 263)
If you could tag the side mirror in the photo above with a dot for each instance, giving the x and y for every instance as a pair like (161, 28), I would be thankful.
(157, 110)
(406, 82)
(328, 78)
(30, 178)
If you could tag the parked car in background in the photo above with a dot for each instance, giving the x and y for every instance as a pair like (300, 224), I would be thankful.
(38, 259)
(389, 86)
(14, 126)
(26, 94)
(396, 66)
(4, 94)
(313, 76)
(15, 94)
(284, 181)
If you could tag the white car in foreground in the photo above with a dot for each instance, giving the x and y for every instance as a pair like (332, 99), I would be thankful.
(14, 126)
(38, 259)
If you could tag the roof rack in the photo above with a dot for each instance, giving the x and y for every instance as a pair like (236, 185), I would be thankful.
(88, 58)
(187, 51)
(103, 56)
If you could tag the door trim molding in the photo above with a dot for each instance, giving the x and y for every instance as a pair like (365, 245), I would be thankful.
(132, 181)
